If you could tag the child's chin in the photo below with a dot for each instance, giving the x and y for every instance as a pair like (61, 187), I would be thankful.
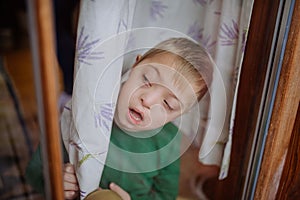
(134, 129)
(126, 127)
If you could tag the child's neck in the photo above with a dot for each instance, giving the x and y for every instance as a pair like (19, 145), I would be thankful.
(140, 134)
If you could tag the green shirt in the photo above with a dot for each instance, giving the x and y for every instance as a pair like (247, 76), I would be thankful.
(145, 164)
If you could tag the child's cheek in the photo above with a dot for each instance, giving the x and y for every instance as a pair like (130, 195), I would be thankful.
(159, 115)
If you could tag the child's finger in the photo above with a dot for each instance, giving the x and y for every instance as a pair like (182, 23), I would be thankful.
(70, 177)
(69, 168)
(70, 194)
(117, 189)
(70, 186)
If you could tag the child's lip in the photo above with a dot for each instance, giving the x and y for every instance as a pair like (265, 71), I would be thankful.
(135, 115)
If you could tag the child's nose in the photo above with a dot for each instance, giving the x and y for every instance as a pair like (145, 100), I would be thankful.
(151, 98)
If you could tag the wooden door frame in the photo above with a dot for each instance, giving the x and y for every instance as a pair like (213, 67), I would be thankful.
(280, 143)
(252, 78)
(45, 71)
(250, 93)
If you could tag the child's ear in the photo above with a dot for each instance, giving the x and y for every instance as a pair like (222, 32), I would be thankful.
(137, 59)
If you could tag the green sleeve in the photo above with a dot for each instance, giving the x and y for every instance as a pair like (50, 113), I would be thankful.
(34, 174)
(34, 171)
(165, 185)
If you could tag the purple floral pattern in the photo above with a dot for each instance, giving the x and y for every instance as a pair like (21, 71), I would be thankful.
(105, 117)
(157, 9)
(82, 193)
(85, 48)
(229, 34)
(196, 32)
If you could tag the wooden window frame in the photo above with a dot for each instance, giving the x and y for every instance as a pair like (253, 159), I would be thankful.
(272, 179)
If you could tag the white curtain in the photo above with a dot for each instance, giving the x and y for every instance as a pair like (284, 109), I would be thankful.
(111, 32)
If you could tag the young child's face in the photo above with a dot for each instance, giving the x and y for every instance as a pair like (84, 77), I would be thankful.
(149, 98)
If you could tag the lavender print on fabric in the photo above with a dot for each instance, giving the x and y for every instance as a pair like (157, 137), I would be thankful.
(82, 193)
(196, 32)
(85, 48)
(104, 118)
(229, 34)
(157, 9)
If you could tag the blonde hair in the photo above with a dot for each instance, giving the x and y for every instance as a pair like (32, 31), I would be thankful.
(194, 62)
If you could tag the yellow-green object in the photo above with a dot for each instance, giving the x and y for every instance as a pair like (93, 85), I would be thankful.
(103, 194)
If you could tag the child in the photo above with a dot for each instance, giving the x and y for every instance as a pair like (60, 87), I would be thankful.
(162, 85)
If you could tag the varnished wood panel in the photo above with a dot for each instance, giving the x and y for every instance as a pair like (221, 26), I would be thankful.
(250, 89)
(289, 187)
(43, 19)
(283, 115)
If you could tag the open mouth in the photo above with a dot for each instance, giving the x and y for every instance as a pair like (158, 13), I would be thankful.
(135, 116)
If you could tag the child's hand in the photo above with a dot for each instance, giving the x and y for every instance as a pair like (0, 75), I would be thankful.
(117, 189)
(70, 182)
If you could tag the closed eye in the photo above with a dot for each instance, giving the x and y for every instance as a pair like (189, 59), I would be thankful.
(146, 80)
(168, 105)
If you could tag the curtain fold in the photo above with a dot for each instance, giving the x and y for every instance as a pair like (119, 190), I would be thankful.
(86, 121)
